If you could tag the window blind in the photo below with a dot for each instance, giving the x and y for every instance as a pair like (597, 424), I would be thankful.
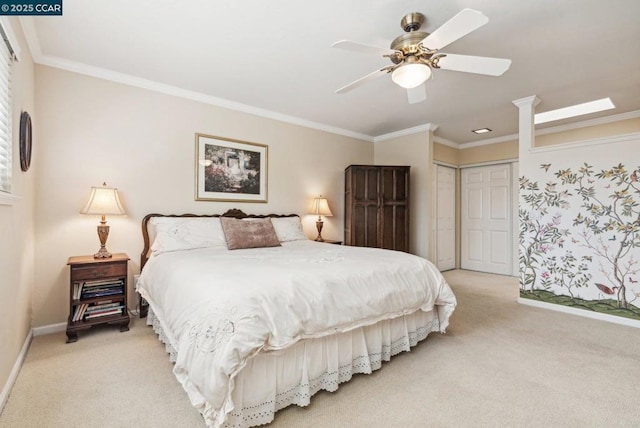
(6, 57)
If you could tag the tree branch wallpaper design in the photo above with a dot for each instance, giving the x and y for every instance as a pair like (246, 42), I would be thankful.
(580, 238)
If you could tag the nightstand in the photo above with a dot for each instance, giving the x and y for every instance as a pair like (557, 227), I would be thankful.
(97, 293)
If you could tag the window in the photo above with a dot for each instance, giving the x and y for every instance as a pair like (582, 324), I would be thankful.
(6, 58)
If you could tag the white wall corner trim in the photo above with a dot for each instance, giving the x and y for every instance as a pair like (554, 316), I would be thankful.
(403, 132)
(634, 136)
(6, 390)
(49, 329)
(580, 312)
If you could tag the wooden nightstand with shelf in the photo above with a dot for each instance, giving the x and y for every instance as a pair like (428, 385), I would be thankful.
(97, 293)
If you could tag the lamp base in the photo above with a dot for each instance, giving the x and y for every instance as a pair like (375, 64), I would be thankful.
(319, 225)
(103, 234)
(102, 253)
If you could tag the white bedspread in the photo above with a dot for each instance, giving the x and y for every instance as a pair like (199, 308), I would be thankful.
(218, 307)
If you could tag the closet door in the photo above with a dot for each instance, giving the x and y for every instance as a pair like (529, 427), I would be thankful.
(445, 217)
(486, 219)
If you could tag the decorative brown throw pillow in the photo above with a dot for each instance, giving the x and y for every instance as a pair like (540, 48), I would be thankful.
(256, 233)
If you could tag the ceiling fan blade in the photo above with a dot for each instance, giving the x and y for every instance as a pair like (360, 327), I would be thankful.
(361, 81)
(466, 21)
(362, 48)
(474, 64)
(417, 95)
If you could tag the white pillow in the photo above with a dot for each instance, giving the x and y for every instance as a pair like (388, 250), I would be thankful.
(288, 228)
(186, 233)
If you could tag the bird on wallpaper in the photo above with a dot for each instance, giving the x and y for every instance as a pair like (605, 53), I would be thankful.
(545, 166)
(634, 176)
(633, 281)
(605, 289)
(613, 238)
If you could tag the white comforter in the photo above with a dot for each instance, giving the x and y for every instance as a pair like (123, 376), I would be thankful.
(219, 307)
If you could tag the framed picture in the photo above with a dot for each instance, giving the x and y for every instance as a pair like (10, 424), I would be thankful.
(230, 170)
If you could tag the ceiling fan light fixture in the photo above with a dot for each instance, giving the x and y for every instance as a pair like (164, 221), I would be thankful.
(411, 75)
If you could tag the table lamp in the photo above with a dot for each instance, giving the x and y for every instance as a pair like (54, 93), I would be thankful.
(103, 201)
(320, 208)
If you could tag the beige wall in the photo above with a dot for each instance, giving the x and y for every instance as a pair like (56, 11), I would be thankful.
(446, 154)
(17, 224)
(413, 150)
(590, 132)
(142, 142)
(489, 153)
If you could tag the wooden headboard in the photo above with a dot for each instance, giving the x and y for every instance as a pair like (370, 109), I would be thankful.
(235, 213)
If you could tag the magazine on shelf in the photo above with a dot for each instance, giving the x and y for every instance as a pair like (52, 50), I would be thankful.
(103, 314)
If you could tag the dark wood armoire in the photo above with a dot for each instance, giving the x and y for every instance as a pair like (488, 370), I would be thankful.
(376, 201)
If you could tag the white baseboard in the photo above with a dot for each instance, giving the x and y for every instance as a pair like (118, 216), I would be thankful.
(580, 312)
(36, 331)
(4, 396)
(48, 329)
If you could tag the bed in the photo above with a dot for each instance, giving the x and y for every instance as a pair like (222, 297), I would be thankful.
(257, 317)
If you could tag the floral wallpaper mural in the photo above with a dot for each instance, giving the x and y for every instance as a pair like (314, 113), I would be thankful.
(580, 237)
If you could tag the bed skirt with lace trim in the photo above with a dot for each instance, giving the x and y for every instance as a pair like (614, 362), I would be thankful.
(274, 380)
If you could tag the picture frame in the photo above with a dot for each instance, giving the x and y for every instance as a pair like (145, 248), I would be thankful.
(229, 170)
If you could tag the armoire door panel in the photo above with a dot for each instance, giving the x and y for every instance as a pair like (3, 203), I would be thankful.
(376, 206)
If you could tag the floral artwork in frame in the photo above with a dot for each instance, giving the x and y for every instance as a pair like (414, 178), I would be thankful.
(230, 170)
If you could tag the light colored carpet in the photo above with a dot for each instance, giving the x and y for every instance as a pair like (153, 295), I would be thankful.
(499, 365)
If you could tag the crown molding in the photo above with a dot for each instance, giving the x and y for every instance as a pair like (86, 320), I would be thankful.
(127, 79)
(139, 82)
(559, 128)
(114, 76)
(446, 142)
(488, 141)
(591, 122)
(531, 100)
(430, 127)
(624, 138)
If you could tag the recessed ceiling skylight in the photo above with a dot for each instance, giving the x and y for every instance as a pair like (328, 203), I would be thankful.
(481, 130)
(573, 111)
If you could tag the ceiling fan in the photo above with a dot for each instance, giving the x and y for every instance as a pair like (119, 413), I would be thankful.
(415, 54)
